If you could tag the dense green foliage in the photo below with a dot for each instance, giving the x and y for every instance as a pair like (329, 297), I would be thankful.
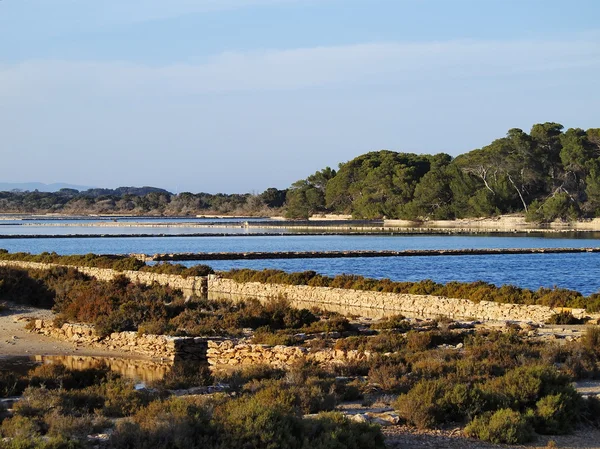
(548, 174)
(475, 291)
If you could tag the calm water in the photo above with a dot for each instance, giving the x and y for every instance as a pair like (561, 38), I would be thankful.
(137, 370)
(127, 225)
(575, 271)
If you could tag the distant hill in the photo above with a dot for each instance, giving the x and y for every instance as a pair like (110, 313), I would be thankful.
(119, 191)
(31, 186)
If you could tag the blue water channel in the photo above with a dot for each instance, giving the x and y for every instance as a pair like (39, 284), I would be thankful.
(579, 271)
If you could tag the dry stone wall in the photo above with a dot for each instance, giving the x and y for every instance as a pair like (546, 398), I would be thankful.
(356, 302)
(419, 306)
(155, 346)
(231, 355)
(190, 285)
(220, 354)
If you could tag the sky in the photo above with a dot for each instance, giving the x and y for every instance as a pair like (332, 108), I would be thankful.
(241, 95)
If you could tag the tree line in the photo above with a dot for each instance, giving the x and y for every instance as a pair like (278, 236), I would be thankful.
(547, 174)
(141, 201)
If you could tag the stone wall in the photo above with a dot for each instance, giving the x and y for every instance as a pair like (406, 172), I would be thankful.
(155, 346)
(220, 354)
(190, 285)
(231, 355)
(348, 302)
(419, 306)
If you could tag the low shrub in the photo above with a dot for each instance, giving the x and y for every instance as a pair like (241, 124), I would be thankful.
(175, 423)
(420, 406)
(503, 426)
(556, 414)
(263, 336)
(396, 322)
(564, 317)
(389, 376)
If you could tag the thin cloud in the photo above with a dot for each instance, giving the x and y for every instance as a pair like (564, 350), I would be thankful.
(343, 66)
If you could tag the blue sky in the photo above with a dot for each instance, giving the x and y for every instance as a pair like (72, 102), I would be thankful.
(241, 95)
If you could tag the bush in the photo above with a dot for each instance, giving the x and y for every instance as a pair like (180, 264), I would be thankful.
(591, 339)
(389, 376)
(563, 317)
(556, 414)
(523, 387)
(175, 424)
(333, 431)
(504, 426)
(396, 322)
(263, 336)
(260, 422)
(420, 406)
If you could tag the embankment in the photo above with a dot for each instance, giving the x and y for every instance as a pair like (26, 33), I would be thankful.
(270, 255)
(346, 301)
(419, 306)
(189, 285)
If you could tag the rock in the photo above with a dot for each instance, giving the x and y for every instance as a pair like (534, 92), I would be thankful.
(359, 417)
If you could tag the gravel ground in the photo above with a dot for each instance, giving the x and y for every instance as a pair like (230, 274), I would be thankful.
(404, 437)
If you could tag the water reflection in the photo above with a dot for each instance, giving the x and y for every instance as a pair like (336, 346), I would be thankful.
(145, 371)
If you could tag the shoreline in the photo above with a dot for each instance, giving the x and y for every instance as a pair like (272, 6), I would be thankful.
(316, 225)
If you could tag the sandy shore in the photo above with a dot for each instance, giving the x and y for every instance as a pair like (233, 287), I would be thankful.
(15, 340)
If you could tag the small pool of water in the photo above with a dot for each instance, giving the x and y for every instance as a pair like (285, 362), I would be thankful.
(138, 370)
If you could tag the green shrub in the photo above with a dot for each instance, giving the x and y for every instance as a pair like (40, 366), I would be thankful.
(591, 339)
(389, 376)
(263, 336)
(504, 426)
(556, 414)
(260, 422)
(122, 399)
(20, 426)
(335, 431)
(523, 387)
(420, 406)
(397, 322)
(175, 424)
(564, 317)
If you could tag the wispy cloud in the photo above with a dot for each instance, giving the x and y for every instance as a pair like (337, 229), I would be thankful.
(300, 109)
(344, 66)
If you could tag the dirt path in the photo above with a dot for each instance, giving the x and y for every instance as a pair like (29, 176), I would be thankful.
(15, 340)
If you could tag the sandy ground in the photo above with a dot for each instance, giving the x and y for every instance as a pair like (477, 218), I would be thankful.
(15, 340)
